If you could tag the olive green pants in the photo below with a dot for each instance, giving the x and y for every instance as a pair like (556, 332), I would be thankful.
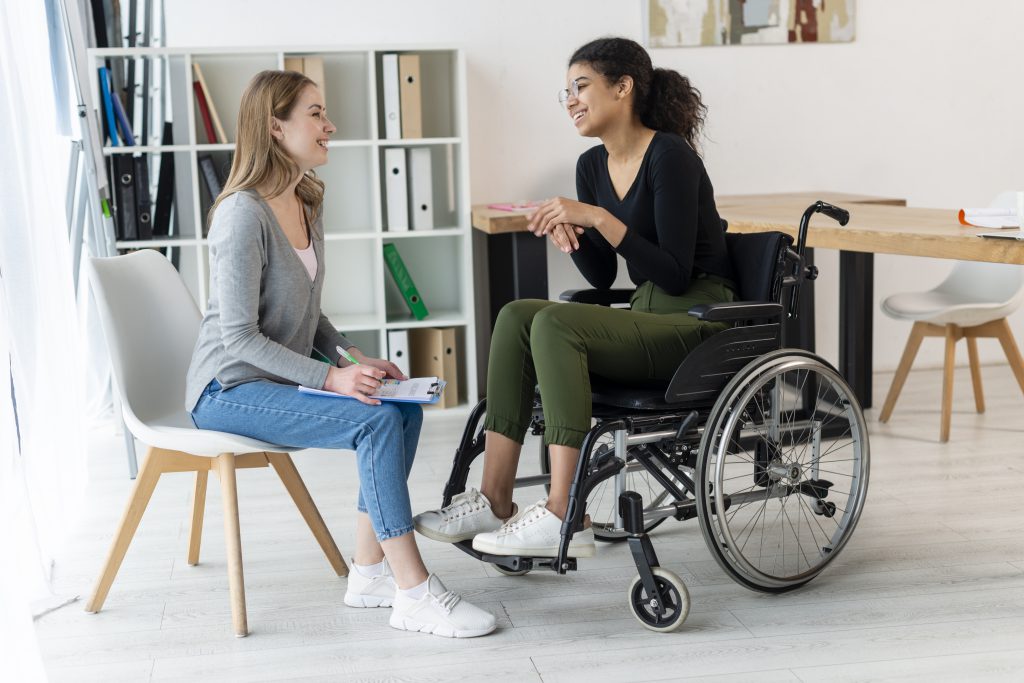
(559, 345)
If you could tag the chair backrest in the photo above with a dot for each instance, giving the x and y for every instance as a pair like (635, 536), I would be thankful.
(758, 261)
(151, 324)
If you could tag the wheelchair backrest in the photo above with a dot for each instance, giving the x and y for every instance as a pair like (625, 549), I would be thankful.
(759, 262)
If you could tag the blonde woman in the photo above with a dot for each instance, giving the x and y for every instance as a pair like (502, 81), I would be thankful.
(263, 323)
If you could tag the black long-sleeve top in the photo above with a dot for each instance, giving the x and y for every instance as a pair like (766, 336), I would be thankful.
(673, 231)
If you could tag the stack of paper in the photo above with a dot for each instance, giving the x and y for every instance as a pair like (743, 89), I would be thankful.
(990, 218)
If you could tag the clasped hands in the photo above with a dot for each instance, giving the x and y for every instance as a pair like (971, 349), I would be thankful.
(563, 221)
(361, 380)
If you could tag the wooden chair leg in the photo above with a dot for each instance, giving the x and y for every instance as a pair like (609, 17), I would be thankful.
(145, 483)
(1012, 351)
(947, 381)
(972, 355)
(285, 468)
(195, 536)
(233, 541)
(909, 353)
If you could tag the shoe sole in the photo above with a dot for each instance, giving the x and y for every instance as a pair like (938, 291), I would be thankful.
(435, 535)
(575, 550)
(406, 624)
(366, 601)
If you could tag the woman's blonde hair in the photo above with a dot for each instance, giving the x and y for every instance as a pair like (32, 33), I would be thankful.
(259, 160)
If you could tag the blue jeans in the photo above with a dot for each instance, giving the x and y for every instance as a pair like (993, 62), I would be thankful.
(384, 437)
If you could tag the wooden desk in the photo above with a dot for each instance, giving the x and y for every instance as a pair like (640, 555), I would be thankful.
(878, 225)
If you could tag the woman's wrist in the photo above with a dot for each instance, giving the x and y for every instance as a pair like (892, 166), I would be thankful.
(610, 227)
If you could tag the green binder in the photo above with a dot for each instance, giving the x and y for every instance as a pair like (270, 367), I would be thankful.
(404, 281)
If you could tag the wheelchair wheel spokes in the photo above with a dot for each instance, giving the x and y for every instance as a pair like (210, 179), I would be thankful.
(783, 472)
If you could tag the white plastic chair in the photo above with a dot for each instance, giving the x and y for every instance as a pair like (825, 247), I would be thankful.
(973, 301)
(151, 324)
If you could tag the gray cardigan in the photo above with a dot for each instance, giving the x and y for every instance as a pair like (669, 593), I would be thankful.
(263, 319)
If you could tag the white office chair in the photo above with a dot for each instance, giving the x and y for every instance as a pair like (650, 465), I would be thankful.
(151, 324)
(973, 301)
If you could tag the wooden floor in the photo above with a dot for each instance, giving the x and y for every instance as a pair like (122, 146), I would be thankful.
(931, 587)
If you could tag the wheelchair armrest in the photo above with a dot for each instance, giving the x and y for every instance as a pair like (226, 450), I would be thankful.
(736, 310)
(602, 297)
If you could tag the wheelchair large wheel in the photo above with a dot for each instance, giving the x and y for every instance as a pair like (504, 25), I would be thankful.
(783, 471)
(602, 502)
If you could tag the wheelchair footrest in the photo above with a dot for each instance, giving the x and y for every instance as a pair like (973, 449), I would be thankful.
(514, 563)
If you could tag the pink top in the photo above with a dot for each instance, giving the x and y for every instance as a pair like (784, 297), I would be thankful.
(308, 258)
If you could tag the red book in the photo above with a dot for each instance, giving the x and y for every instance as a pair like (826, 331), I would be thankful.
(204, 111)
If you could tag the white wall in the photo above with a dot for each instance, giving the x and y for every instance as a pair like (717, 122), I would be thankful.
(925, 104)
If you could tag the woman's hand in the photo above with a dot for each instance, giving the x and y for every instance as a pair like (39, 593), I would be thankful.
(565, 236)
(357, 381)
(390, 369)
(559, 210)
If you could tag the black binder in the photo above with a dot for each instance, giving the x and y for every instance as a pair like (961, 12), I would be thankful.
(144, 205)
(164, 187)
(125, 206)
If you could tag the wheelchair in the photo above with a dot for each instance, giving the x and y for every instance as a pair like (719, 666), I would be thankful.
(766, 446)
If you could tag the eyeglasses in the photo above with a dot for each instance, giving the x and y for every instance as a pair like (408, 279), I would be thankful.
(572, 91)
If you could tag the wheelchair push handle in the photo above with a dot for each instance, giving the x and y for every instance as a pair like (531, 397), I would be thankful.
(802, 272)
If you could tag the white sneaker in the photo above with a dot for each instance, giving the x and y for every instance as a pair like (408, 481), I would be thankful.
(536, 532)
(468, 515)
(440, 612)
(375, 591)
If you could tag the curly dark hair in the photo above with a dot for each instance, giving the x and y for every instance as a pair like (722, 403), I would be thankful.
(664, 99)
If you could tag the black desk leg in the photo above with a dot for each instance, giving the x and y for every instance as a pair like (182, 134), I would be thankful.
(856, 321)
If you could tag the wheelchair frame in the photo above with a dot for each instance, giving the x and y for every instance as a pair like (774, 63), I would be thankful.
(674, 438)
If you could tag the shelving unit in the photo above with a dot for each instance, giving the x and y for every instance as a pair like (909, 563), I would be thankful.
(359, 295)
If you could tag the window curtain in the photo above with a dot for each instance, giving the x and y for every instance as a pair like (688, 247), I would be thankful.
(42, 439)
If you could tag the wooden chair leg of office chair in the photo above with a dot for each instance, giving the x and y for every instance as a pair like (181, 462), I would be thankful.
(195, 536)
(1010, 348)
(947, 381)
(233, 541)
(972, 356)
(285, 468)
(145, 483)
(909, 353)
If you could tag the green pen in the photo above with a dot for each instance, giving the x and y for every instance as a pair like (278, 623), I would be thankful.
(347, 356)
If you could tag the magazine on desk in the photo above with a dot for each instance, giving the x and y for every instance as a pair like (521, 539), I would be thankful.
(412, 390)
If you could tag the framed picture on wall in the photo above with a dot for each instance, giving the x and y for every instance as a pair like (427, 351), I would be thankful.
(690, 23)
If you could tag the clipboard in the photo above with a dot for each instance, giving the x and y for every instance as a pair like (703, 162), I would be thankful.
(413, 390)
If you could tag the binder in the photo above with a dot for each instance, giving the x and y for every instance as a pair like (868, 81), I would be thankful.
(293, 64)
(204, 113)
(143, 201)
(313, 67)
(392, 111)
(404, 282)
(434, 352)
(124, 196)
(209, 169)
(410, 96)
(108, 105)
(396, 190)
(398, 350)
(127, 136)
(421, 189)
(164, 185)
(211, 109)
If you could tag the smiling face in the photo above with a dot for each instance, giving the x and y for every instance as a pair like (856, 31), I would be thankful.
(304, 134)
(599, 103)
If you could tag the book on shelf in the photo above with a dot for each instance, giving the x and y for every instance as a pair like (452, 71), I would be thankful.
(211, 121)
(211, 177)
(164, 186)
(311, 66)
(434, 351)
(409, 94)
(421, 188)
(122, 121)
(392, 103)
(396, 190)
(106, 96)
(404, 282)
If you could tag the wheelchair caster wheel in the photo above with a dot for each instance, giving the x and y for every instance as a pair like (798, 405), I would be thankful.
(510, 572)
(826, 508)
(677, 600)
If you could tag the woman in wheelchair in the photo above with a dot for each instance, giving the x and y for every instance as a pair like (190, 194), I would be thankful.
(643, 193)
